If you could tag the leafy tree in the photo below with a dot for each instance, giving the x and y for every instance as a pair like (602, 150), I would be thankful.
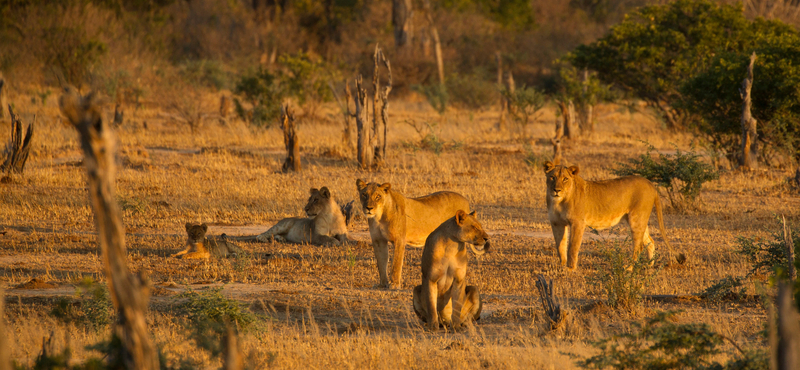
(657, 48)
(714, 94)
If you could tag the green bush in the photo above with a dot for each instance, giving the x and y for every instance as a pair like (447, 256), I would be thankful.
(208, 315)
(472, 91)
(714, 94)
(656, 48)
(91, 306)
(726, 289)
(71, 51)
(263, 90)
(767, 257)
(534, 159)
(436, 95)
(524, 102)
(623, 281)
(205, 72)
(682, 166)
(662, 344)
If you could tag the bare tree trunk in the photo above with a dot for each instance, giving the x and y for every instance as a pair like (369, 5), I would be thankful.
(437, 45)
(568, 113)
(749, 145)
(18, 148)
(347, 133)
(402, 20)
(552, 308)
(501, 124)
(788, 351)
(290, 140)
(5, 345)
(231, 355)
(556, 141)
(376, 89)
(365, 154)
(2, 95)
(789, 248)
(385, 104)
(586, 108)
(119, 115)
(129, 292)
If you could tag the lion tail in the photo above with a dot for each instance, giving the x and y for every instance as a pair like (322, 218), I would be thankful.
(660, 218)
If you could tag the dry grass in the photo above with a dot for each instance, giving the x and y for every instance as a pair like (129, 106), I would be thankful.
(318, 303)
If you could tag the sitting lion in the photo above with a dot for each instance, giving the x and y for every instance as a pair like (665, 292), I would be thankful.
(200, 247)
(574, 202)
(444, 296)
(400, 220)
(325, 225)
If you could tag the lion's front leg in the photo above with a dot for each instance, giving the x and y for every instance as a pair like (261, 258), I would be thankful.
(562, 243)
(381, 249)
(181, 253)
(457, 295)
(575, 239)
(397, 262)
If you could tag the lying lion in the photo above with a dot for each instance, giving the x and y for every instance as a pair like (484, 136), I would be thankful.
(325, 225)
(574, 202)
(444, 296)
(394, 218)
(200, 247)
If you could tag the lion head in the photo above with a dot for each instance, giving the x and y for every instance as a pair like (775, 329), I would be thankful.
(318, 202)
(373, 197)
(470, 230)
(196, 233)
(560, 179)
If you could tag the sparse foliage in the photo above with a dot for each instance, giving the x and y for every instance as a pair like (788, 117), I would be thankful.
(660, 343)
(524, 102)
(622, 280)
(681, 174)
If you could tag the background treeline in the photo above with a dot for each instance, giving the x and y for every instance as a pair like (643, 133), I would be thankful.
(685, 59)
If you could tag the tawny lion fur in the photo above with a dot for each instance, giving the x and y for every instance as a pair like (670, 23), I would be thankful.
(325, 224)
(444, 296)
(576, 203)
(198, 246)
(394, 218)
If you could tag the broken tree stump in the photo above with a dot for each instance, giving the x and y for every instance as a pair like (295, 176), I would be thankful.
(17, 149)
(129, 292)
(290, 140)
(749, 145)
(365, 154)
(382, 96)
(552, 309)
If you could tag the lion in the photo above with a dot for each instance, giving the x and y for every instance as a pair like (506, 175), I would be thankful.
(444, 298)
(577, 203)
(326, 224)
(394, 218)
(201, 247)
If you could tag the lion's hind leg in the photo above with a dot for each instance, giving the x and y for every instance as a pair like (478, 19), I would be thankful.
(419, 307)
(277, 231)
(472, 304)
(181, 253)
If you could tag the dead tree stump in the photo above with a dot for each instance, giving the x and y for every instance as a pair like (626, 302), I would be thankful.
(749, 145)
(129, 293)
(552, 309)
(788, 346)
(18, 148)
(365, 150)
(381, 96)
(118, 115)
(5, 345)
(290, 140)
(556, 141)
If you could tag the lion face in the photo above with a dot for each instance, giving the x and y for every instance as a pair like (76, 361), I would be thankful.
(196, 233)
(318, 201)
(560, 179)
(470, 230)
(372, 197)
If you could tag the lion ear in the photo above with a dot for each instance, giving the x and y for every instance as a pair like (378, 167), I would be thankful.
(204, 227)
(188, 226)
(460, 214)
(386, 186)
(574, 170)
(325, 192)
(548, 166)
(360, 184)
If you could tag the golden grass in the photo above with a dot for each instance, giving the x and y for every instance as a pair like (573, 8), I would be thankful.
(227, 176)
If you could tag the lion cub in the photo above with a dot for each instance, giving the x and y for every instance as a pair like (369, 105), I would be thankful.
(444, 297)
(200, 247)
(325, 225)
(576, 203)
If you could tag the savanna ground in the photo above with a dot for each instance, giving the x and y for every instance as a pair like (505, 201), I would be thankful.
(318, 304)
